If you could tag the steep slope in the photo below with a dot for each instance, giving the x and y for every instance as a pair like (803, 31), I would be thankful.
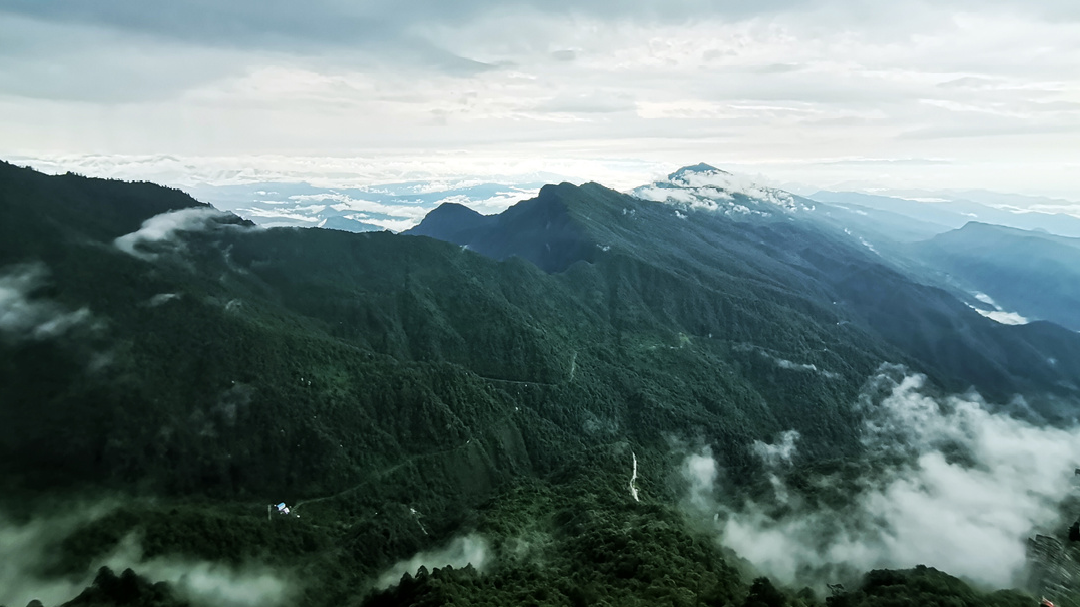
(453, 222)
(400, 391)
(154, 346)
(1034, 274)
(955, 212)
(539, 230)
(768, 250)
(184, 339)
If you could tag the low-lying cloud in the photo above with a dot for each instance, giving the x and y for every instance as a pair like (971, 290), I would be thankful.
(777, 453)
(710, 189)
(162, 298)
(950, 485)
(27, 549)
(23, 316)
(471, 549)
(204, 583)
(165, 227)
(784, 363)
(998, 314)
(700, 471)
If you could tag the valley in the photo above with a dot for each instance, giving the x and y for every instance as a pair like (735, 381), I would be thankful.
(700, 394)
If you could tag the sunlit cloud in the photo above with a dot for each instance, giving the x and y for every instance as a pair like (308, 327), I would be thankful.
(776, 88)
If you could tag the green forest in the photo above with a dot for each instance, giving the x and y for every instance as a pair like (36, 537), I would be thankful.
(401, 392)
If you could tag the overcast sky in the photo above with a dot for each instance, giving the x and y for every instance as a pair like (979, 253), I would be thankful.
(831, 93)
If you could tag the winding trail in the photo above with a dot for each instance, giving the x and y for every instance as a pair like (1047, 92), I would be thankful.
(380, 474)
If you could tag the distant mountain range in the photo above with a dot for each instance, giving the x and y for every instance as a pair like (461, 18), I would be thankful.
(399, 206)
(498, 372)
(724, 232)
(943, 215)
(887, 225)
(1034, 273)
(394, 206)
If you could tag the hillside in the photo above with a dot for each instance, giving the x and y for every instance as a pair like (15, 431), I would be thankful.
(1034, 274)
(956, 211)
(775, 255)
(510, 393)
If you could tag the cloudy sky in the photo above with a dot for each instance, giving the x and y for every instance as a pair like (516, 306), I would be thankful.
(830, 93)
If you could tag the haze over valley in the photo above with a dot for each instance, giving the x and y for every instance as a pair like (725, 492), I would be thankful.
(564, 304)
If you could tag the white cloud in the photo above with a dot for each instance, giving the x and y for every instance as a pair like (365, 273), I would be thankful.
(1005, 318)
(777, 453)
(972, 486)
(27, 548)
(785, 88)
(165, 227)
(706, 188)
(998, 314)
(471, 549)
(24, 317)
(495, 204)
(262, 215)
(787, 364)
(205, 583)
(162, 298)
(700, 472)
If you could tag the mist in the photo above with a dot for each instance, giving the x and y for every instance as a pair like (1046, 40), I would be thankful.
(700, 471)
(779, 452)
(205, 583)
(471, 549)
(951, 485)
(24, 317)
(165, 227)
(29, 548)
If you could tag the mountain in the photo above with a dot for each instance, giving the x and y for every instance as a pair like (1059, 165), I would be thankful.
(716, 239)
(548, 408)
(1032, 273)
(954, 213)
(458, 222)
(388, 206)
(538, 230)
(157, 349)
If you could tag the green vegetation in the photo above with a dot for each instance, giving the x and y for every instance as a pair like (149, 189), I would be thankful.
(923, 586)
(1035, 273)
(400, 391)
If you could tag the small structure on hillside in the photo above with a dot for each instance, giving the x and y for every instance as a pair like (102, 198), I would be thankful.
(280, 509)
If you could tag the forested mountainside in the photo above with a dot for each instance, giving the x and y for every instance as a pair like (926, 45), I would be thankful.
(780, 255)
(1034, 274)
(526, 395)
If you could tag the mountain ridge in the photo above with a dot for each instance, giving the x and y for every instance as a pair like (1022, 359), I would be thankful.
(798, 258)
(402, 392)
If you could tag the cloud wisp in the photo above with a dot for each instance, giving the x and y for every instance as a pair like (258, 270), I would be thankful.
(24, 317)
(952, 485)
(27, 549)
(163, 230)
(998, 314)
(470, 549)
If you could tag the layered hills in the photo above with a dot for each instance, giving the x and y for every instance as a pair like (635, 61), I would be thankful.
(536, 377)
(743, 245)
(1035, 274)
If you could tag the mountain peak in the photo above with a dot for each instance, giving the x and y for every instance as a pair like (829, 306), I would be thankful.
(453, 209)
(703, 186)
(451, 221)
(700, 167)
